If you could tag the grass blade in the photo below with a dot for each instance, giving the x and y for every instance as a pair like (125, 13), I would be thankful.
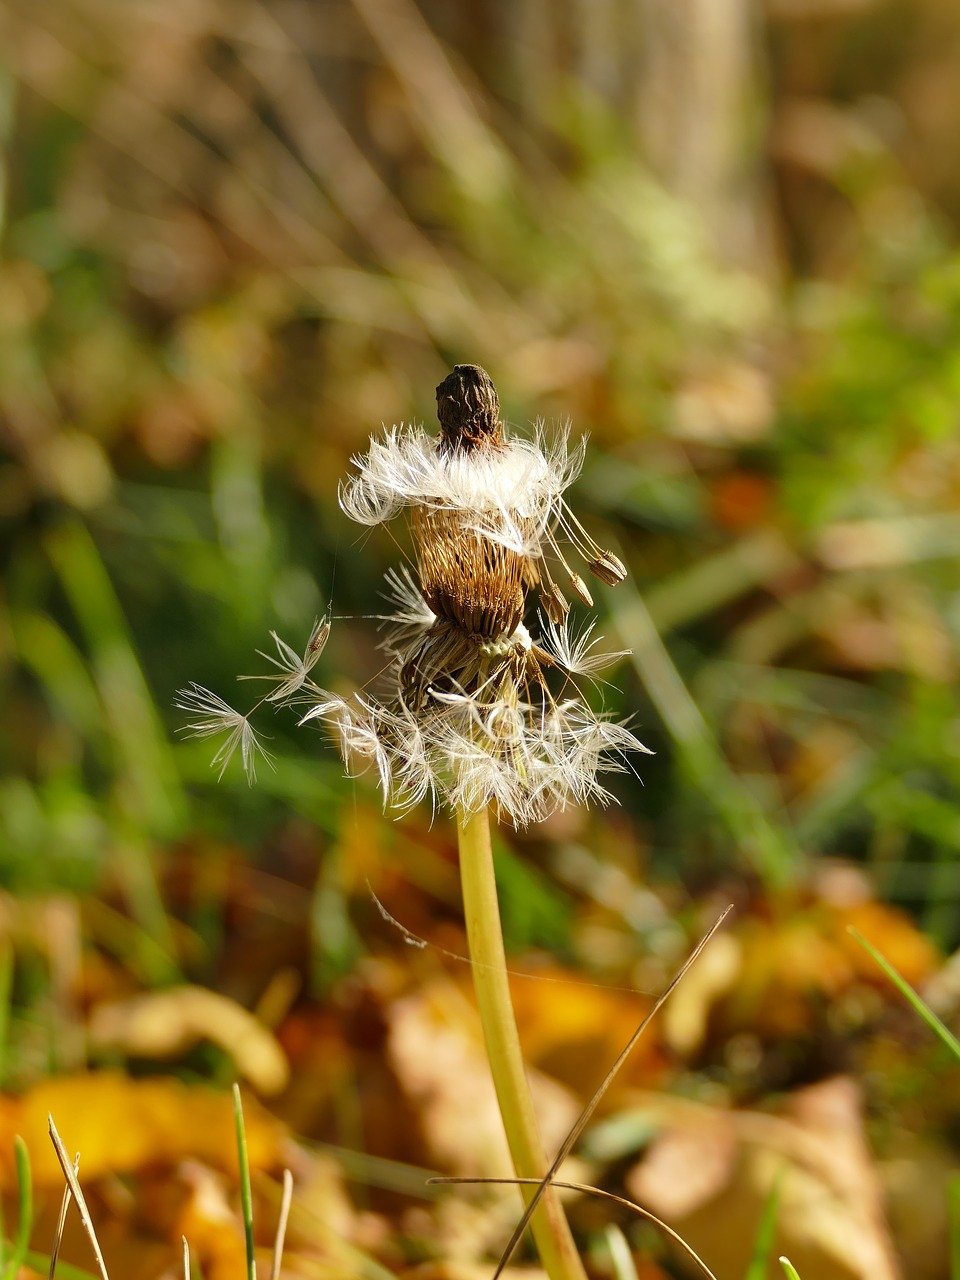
(788, 1269)
(25, 1207)
(246, 1195)
(61, 1221)
(584, 1118)
(624, 1267)
(763, 1245)
(921, 1008)
(771, 847)
(587, 1190)
(39, 1262)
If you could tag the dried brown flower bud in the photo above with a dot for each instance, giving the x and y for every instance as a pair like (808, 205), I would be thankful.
(469, 410)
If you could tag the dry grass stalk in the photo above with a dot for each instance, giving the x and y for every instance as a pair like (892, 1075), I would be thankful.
(61, 1221)
(282, 1224)
(73, 1185)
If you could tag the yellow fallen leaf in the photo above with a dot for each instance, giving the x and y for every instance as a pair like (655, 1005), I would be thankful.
(120, 1126)
(685, 1016)
(164, 1024)
(572, 1030)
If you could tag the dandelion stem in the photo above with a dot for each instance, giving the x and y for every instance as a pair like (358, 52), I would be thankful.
(482, 913)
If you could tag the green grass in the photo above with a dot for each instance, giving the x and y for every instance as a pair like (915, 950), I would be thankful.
(766, 1234)
(920, 1007)
(246, 1194)
(21, 1243)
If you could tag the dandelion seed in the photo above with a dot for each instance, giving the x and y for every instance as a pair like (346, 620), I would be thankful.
(294, 668)
(215, 717)
(580, 590)
(411, 617)
(574, 651)
(608, 568)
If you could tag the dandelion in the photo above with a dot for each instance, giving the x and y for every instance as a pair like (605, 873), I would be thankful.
(479, 712)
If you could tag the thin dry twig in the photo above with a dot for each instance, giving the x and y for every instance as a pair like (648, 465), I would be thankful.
(77, 1193)
(186, 1258)
(414, 940)
(588, 1190)
(584, 1118)
(282, 1224)
(61, 1221)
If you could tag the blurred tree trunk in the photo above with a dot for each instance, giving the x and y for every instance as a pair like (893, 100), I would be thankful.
(686, 76)
(701, 114)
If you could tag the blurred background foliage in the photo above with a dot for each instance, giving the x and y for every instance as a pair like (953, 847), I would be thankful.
(719, 236)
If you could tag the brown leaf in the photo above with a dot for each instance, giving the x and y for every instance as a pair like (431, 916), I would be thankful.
(436, 1049)
(711, 1173)
(790, 969)
(684, 1017)
(211, 1225)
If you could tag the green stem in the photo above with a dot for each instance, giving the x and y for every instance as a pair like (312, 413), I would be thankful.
(482, 913)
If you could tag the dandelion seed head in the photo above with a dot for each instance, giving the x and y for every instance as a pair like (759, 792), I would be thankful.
(478, 710)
